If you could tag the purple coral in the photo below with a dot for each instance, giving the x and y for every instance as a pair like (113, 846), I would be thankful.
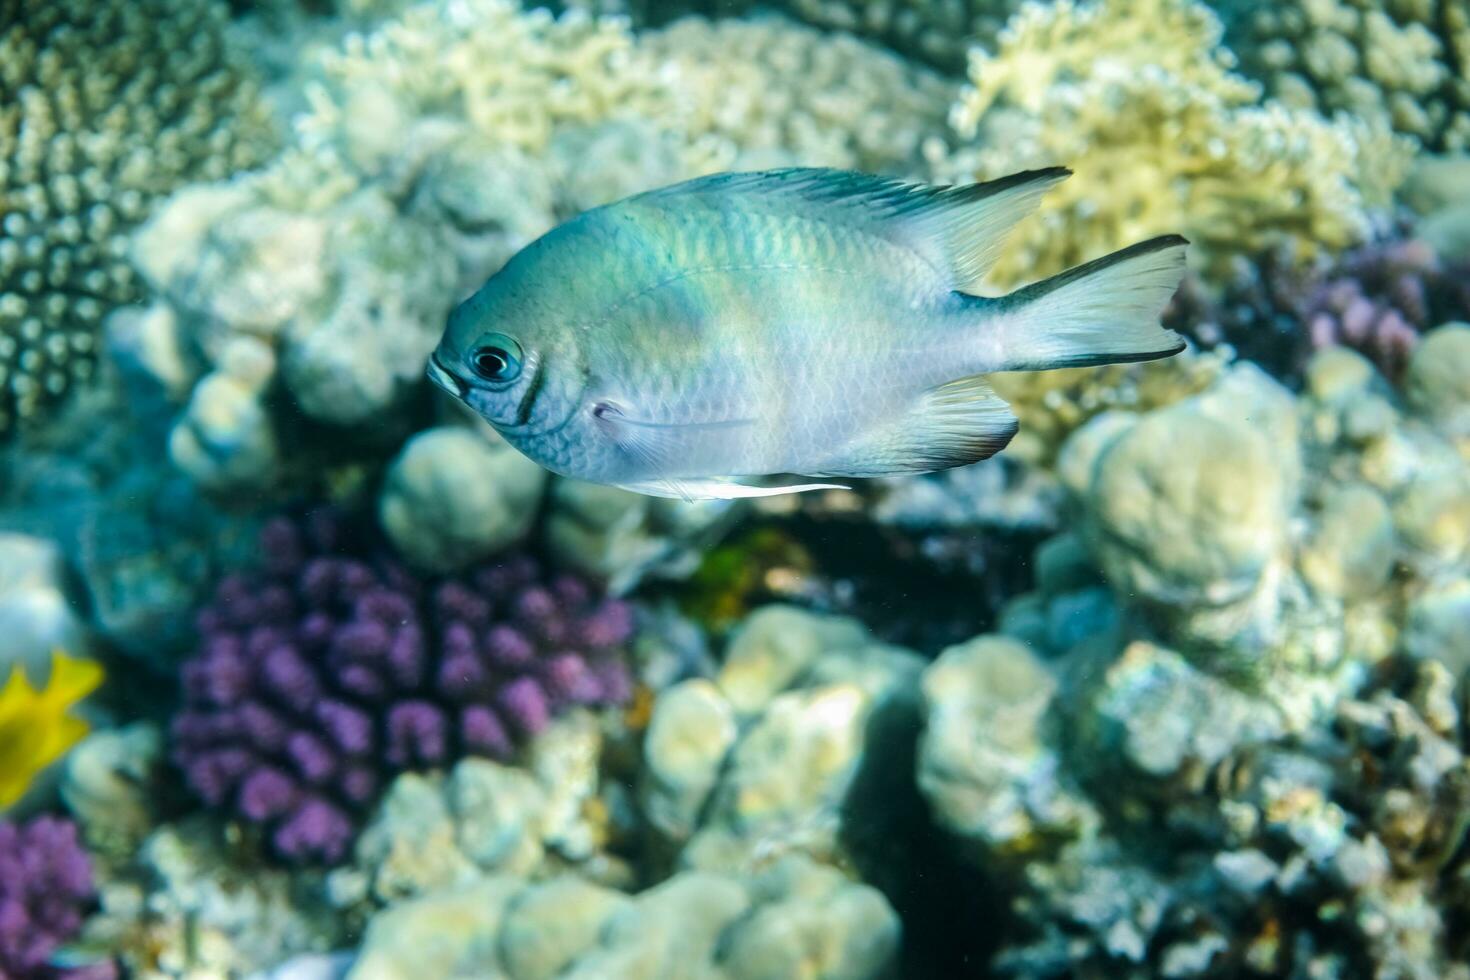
(1377, 300)
(45, 888)
(1381, 298)
(331, 670)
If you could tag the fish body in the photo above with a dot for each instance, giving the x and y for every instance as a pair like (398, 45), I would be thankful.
(799, 321)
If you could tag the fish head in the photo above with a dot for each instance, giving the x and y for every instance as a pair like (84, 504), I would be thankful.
(515, 365)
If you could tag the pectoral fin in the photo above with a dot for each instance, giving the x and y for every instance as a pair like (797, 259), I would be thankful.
(653, 443)
(707, 489)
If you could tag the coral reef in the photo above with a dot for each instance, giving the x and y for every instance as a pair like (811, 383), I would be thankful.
(553, 812)
(190, 902)
(795, 918)
(1400, 61)
(1221, 736)
(1194, 152)
(45, 887)
(334, 669)
(36, 724)
(104, 107)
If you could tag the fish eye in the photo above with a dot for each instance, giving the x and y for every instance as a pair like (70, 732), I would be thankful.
(496, 358)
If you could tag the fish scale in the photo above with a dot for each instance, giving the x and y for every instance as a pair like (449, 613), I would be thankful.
(794, 321)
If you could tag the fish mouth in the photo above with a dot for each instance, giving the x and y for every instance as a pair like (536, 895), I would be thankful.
(442, 377)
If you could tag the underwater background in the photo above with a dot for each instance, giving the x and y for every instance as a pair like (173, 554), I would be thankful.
(307, 675)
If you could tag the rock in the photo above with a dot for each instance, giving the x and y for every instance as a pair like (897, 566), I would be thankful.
(1351, 552)
(409, 847)
(624, 537)
(1438, 380)
(672, 930)
(352, 361)
(1432, 515)
(498, 815)
(493, 200)
(787, 782)
(224, 440)
(36, 614)
(984, 763)
(453, 932)
(775, 644)
(692, 729)
(453, 496)
(1153, 715)
(1336, 374)
(1188, 507)
(1439, 625)
(310, 966)
(811, 923)
(1077, 460)
(256, 269)
(110, 785)
(550, 924)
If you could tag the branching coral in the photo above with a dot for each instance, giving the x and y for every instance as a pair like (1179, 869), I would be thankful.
(1165, 138)
(35, 727)
(103, 107)
(336, 668)
(45, 887)
(1406, 62)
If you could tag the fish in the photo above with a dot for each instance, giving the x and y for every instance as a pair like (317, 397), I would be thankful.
(696, 340)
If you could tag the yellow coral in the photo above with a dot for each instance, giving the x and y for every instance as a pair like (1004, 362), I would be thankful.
(1165, 137)
(35, 729)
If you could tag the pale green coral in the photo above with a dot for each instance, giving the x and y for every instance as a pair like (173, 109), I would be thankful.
(1403, 61)
(1164, 136)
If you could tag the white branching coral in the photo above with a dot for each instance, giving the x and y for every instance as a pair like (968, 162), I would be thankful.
(104, 106)
(1141, 98)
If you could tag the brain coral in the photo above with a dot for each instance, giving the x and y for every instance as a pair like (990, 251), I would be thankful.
(104, 105)
(1165, 137)
(1406, 61)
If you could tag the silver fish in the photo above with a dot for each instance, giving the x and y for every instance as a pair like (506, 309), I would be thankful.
(798, 321)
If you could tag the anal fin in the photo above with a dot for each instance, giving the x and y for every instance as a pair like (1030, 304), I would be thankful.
(955, 424)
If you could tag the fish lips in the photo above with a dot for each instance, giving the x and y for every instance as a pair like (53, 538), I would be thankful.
(442, 377)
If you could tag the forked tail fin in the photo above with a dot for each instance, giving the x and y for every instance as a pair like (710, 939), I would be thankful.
(1103, 312)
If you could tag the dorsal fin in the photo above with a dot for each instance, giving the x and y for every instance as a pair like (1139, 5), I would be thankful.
(958, 229)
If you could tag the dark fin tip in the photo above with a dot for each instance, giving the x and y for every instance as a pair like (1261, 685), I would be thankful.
(1100, 360)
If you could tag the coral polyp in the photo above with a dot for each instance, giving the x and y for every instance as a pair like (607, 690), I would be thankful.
(331, 669)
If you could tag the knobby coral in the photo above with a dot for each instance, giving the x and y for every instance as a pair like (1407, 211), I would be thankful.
(934, 31)
(45, 888)
(35, 726)
(1406, 62)
(1166, 138)
(104, 106)
(333, 668)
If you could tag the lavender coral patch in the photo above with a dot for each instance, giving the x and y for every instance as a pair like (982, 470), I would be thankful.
(330, 670)
(45, 888)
